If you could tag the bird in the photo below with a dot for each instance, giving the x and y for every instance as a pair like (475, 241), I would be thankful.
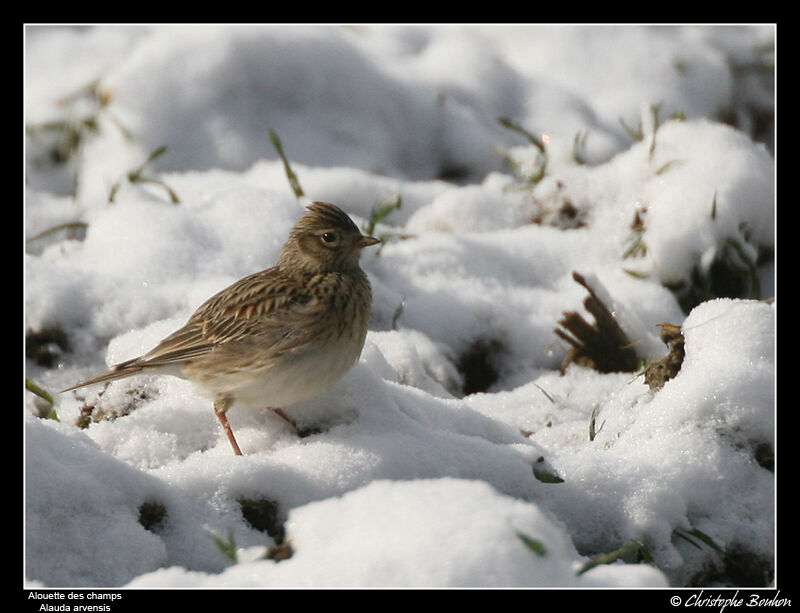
(276, 337)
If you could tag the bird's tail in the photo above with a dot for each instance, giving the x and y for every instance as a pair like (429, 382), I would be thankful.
(120, 371)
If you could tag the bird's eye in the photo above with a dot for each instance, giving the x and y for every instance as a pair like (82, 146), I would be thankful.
(329, 238)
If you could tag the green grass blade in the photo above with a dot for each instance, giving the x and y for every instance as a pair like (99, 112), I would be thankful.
(536, 546)
(294, 183)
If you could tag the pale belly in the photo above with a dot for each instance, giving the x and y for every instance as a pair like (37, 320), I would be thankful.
(291, 379)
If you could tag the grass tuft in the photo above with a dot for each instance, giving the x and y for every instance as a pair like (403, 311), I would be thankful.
(535, 545)
(506, 122)
(294, 183)
(49, 410)
(74, 230)
(137, 176)
(544, 473)
(380, 211)
(693, 535)
(593, 431)
(578, 147)
(227, 545)
(536, 174)
(636, 547)
(73, 131)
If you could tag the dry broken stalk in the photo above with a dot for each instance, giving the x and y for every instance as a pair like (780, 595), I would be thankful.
(658, 373)
(602, 346)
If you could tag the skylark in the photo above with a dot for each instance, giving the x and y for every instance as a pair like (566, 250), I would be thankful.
(277, 337)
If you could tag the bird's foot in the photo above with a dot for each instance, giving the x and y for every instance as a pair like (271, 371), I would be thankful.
(301, 432)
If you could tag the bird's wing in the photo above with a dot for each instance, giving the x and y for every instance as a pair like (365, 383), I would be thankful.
(262, 303)
(266, 302)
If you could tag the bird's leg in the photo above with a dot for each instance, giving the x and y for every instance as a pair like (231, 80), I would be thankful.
(280, 413)
(221, 405)
(301, 432)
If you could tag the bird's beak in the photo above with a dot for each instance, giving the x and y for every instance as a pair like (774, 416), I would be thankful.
(366, 241)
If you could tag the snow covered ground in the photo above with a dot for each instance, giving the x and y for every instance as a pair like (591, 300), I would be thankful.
(639, 157)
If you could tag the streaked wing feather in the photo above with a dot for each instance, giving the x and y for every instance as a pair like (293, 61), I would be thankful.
(263, 300)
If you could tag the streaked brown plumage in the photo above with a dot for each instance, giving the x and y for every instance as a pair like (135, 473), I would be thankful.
(279, 336)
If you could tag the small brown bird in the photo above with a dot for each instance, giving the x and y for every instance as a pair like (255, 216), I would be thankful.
(277, 337)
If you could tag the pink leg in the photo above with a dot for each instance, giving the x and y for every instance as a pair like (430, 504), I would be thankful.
(301, 432)
(221, 405)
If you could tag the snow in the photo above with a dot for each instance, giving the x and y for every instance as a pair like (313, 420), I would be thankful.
(409, 482)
